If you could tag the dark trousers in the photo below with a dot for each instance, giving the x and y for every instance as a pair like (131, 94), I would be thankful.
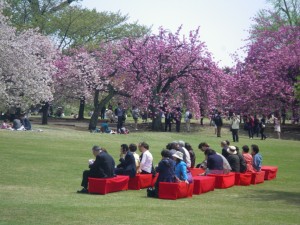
(256, 131)
(167, 125)
(235, 135)
(250, 132)
(178, 122)
(219, 131)
(85, 178)
(120, 123)
(262, 133)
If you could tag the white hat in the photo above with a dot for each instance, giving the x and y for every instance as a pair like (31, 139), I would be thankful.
(178, 155)
(232, 150)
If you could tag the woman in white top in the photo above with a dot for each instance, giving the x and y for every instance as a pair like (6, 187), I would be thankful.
(235, 126)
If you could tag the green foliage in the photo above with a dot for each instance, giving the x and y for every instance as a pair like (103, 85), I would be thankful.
(42, 171)
(71, 25)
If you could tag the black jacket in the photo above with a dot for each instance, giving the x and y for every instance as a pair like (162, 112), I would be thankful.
(234, 162)
(103, 167)
(128, 164)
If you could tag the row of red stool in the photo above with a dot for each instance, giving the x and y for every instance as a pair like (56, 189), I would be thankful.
(201, 184)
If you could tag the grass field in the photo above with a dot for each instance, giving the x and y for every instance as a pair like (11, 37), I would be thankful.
(41, 171)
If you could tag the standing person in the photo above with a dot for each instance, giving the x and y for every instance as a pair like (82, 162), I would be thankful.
(256, 126)
(187, 118)
(119, 112)
(178, 116)
(248, 158)
(219, 123)
(146, 159)
(135, 115)
(235, 126)
(262, 126)
(102, 167)
(168, 120)
(277, 128)
(133, 148)
(257, 158)
(145, 115)
(250, 126)
(103, 110)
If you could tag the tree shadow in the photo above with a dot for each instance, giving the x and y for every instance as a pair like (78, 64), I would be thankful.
(271, 195)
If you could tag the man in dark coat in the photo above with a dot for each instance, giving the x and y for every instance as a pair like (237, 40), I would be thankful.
(219, 123)
(102, 167)
(127, 164)
(233, 159)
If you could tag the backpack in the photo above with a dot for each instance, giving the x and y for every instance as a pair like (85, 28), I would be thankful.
(190, 116)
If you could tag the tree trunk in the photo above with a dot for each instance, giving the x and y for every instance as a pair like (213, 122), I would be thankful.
(98, 106)
(81, 108)
(45, 109)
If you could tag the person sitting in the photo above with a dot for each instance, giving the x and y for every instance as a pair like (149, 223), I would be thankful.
(257, 158)
(127, 162)
(166, 170)
(180, 168)
(224, 149)
(25, 122)
(133, 148)
(192, 154)
(233, 159)
(146, 159)
(248, 158)
(214, 162)
(102, 167)
(17, 125)
(186, 153)
(104, 128)
(243, 164)
(5, 124)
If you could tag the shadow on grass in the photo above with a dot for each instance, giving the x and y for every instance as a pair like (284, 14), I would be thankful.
(269, 195)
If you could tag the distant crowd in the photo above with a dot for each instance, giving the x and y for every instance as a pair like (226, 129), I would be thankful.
(177, 159)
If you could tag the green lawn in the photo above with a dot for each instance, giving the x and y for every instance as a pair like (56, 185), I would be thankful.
(41, 171)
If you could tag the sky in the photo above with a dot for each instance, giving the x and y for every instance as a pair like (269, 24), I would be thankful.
(224, 24)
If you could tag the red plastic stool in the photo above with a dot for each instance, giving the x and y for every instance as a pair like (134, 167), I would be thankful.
(140, 181)
(203, 184)
(243, 179)
(196, 171)
(258, 177)
(106, 185)
(271, 172)
(223, 180)
(174, 191)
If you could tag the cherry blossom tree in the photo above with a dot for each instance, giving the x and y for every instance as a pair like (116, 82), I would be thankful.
(265, 81)
(165, 71)
(25, 67)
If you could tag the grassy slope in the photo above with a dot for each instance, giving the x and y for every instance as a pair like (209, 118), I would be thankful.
(41, 171)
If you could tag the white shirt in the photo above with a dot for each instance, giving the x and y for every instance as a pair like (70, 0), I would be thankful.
(188, 157)
(146, 162)
(187, 113)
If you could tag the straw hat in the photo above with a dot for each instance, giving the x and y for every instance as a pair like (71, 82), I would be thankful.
(232, 150)
(178, 155)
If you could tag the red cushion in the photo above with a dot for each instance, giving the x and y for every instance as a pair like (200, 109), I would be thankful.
(196, 171)
(258, 177)
(271, 172)
(224, 180)
(175, 190)
(140, 181)
(243, 179)
(107, 185)
(203, 184)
